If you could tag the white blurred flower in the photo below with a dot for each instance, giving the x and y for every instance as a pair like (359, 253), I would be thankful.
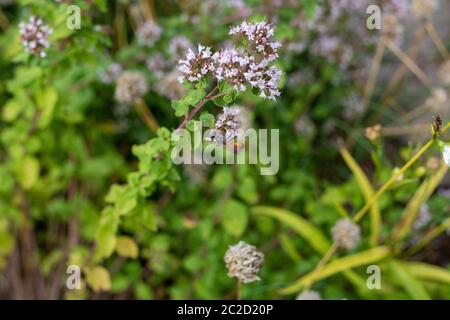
(346, 233)
(446, 154)
(148, 34)
(130, 87)
(309, 295)
(111, 73)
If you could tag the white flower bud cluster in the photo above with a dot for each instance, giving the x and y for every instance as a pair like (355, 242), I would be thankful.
(243, 261)
(346, 233)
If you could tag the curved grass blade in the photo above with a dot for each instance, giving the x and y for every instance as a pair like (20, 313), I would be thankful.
(339, 265)
(368, 192)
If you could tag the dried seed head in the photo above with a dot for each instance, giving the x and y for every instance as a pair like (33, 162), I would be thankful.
(34, 35)
(373, 133)
(130, 87)
(148, 34)
(243, 261)
(424, 8)
(346, 233)
(309, 295)
(437, 125)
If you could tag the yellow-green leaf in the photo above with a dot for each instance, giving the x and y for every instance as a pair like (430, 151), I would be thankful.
(422, 194)
(98, 278)
(305, 229)
(368, 192)
(425, 271)
(408, 281)
(234, 217)
(339, 265)
(126, 247)
(28, 172)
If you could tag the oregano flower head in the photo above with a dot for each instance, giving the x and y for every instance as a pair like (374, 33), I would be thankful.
(197, 65)
(227, 125)
(250, 66)
(34, 35)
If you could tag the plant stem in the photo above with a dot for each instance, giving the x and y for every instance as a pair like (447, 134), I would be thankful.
(197, 108)
(239, 290)
(409, 63)
(401, 69)
(437, 40)
(146, 115)
(374, 69)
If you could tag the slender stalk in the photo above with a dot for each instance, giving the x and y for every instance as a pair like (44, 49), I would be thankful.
(327, 256)
(437, 40)
(401, 69)
(146, 115)
(374, 69)
(409, 63)
(197, 108)
(239, 290)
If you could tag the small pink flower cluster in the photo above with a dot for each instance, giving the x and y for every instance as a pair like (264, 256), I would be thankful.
(34, 35)
(239, 67)
(197, 65)
(226, 126)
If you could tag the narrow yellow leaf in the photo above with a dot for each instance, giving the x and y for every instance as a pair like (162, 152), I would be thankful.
(368, 192)
(338, 265)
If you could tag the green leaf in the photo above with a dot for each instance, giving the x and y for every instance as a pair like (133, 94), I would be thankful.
(98, 278)
(234, 218)
(207, 118)
(305, 229)
(181, 108)
(126, 247)
(338, 265)
(46, 101)
(428, 272)
(28, 172)
(368, 192)
(106, 234)
(408, 281)
(123, 197)
(404, 226)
